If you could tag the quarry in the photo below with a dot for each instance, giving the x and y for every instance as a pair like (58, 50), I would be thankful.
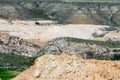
(59, 40)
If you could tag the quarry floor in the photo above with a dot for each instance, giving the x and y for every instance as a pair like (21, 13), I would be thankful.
(47, 30)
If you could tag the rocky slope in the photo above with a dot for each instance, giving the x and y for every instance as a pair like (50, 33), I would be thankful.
(15, 45)
(82, 48)
(65, 67)
(83, 12)
(92, 13)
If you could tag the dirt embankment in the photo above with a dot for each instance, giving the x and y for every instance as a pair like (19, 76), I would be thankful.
(65, 67)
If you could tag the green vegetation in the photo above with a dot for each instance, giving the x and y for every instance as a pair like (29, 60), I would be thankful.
(16, 61)
(115, 1)
(39, 14)
(101, 43)
(100, 36)
(7, 74)
(117, 56)
(1, 42)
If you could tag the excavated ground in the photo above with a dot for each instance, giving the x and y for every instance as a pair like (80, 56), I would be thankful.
(65, 67)
(47, 30)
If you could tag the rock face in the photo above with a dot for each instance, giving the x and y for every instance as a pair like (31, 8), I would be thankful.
(66, 67)
(33, 48)
(14, 45)
(94, 13)
(81, 49)
(63, 12)
(91, 13)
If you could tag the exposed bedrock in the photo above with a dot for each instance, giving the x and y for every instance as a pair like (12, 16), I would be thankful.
(83, 49)
(14, 45)
(63, 12)
(71, 46)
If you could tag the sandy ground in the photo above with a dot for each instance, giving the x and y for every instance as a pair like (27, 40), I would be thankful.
(28, 30)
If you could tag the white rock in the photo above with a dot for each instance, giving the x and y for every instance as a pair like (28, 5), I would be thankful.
(37, 73)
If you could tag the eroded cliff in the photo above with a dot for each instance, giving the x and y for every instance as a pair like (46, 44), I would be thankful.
(65, 12)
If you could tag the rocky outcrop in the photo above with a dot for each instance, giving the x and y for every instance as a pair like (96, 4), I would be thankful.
(81, 49)
(14, 45)
(94, 13)
(34, 48)
(66, 67)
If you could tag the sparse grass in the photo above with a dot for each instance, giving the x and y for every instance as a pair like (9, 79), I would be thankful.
(39, 14)
(12, 65)
(100, 36)
(101, 43)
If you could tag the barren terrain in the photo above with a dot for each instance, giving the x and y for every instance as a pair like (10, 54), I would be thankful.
(65, 67)
(48, 31)
(60, 39)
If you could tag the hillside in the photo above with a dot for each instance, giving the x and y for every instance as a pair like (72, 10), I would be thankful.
(64, 12)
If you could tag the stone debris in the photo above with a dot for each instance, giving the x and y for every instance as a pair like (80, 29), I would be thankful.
(81, 49)
(66, 67)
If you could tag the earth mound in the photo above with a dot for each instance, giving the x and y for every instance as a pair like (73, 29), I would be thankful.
(66, 67)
